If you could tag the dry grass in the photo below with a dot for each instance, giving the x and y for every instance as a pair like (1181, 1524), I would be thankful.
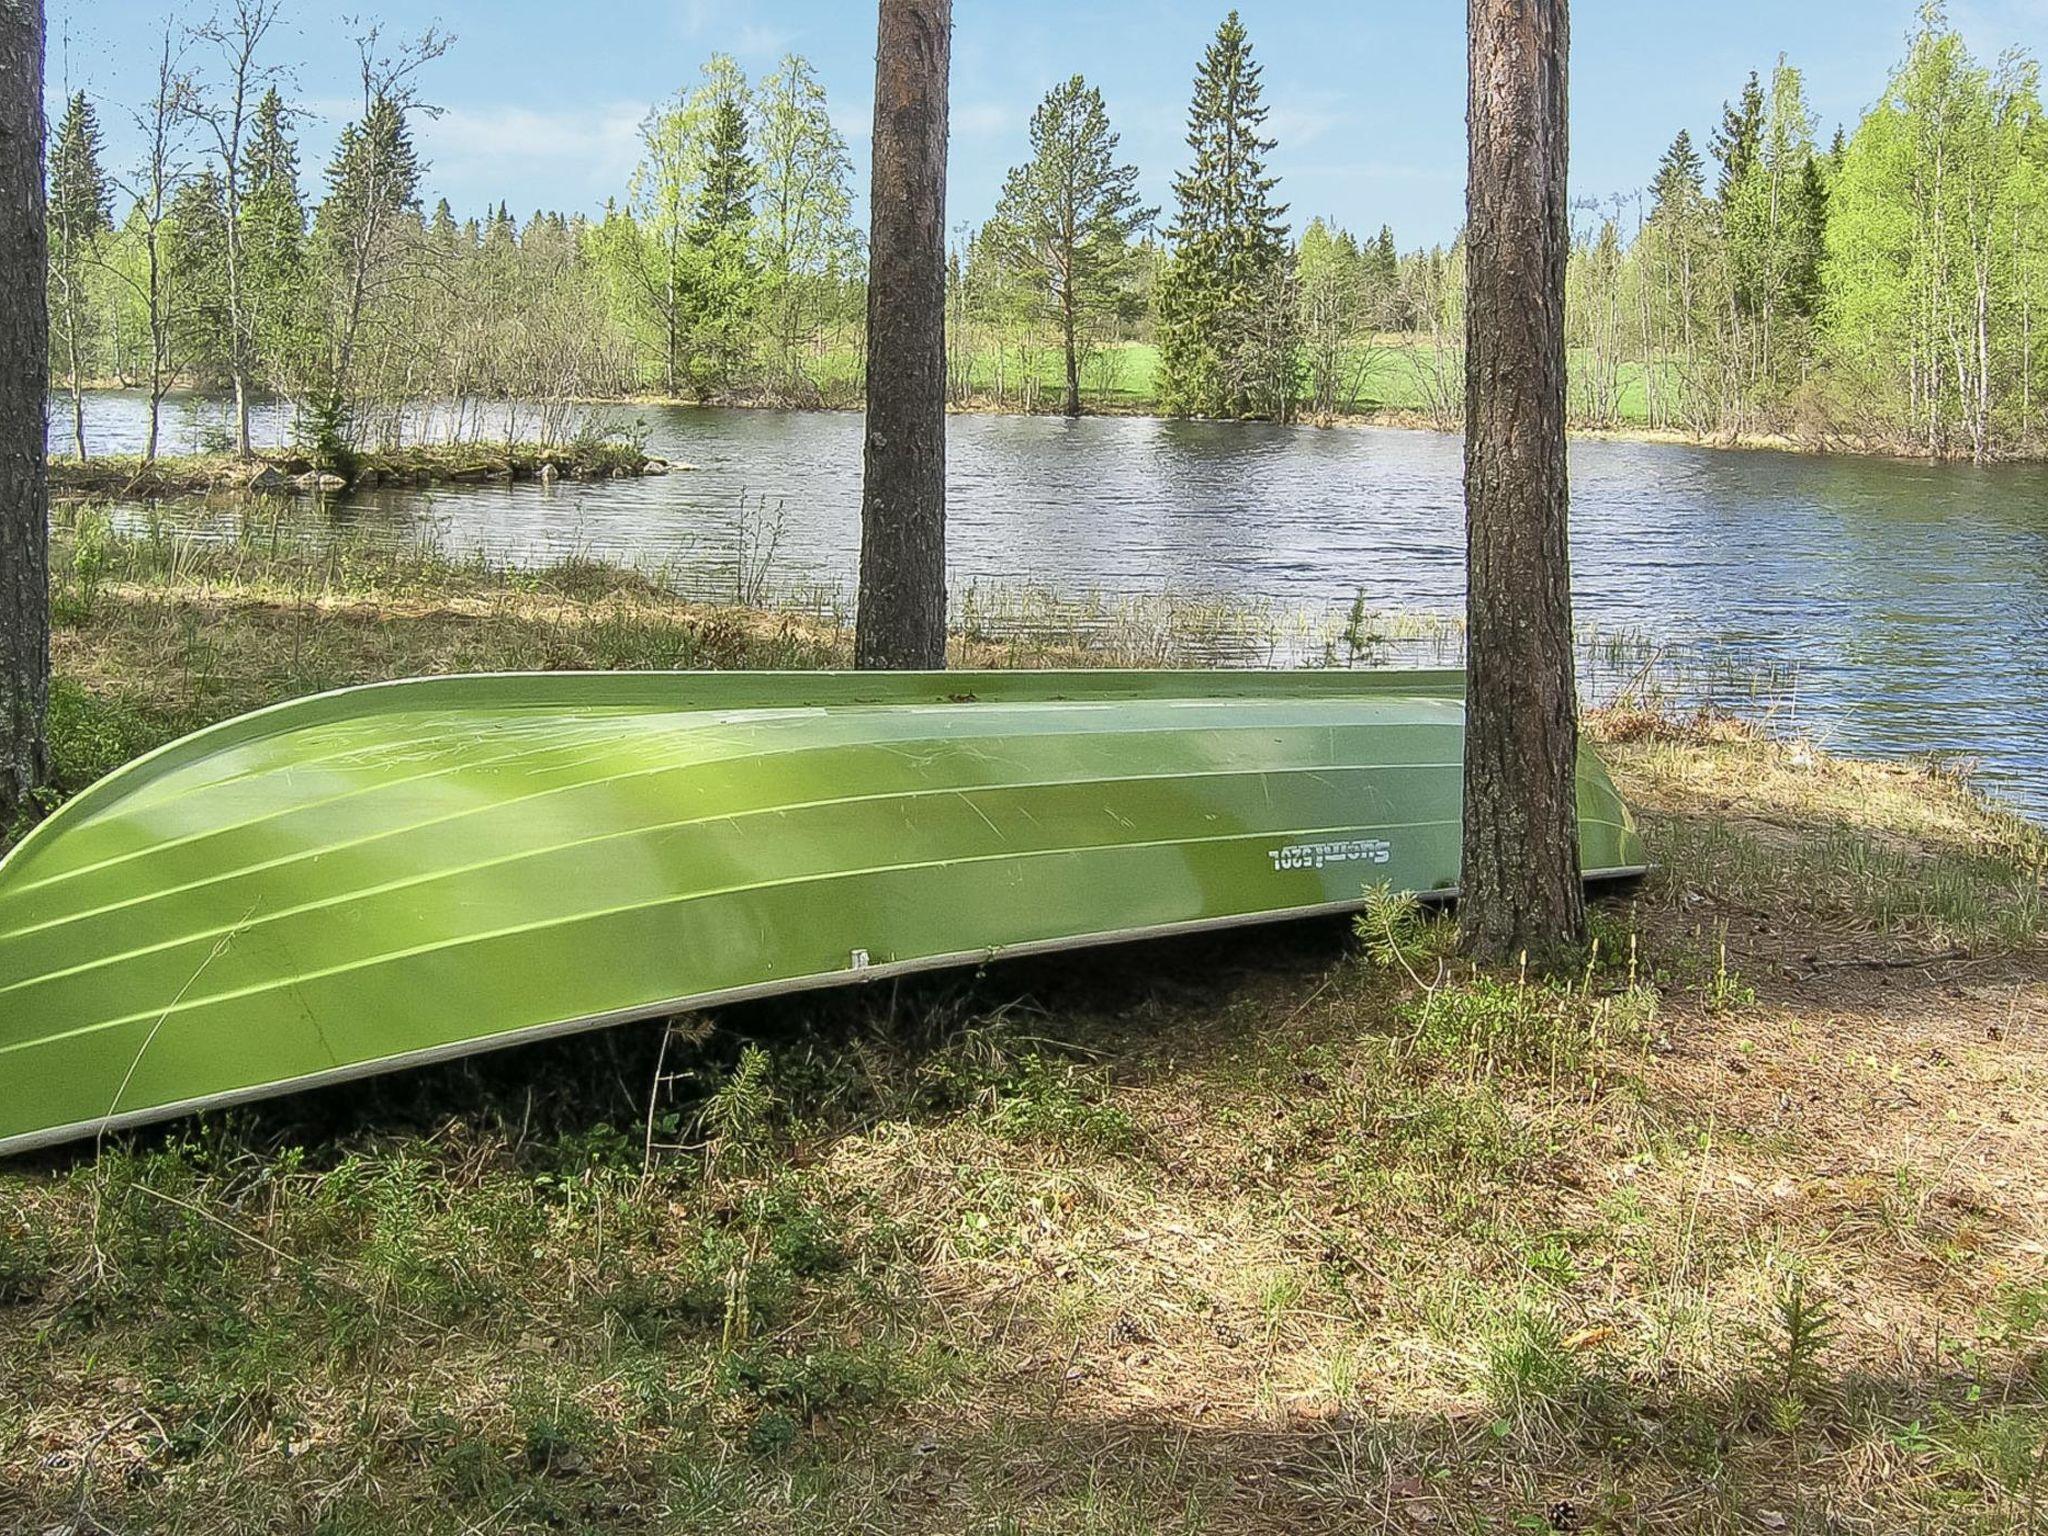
(1742, 1230)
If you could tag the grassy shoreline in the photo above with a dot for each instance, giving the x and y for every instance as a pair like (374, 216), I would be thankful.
(1741, 1229)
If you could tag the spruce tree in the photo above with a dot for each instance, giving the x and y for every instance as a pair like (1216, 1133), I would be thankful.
(374, 175)
(272, 161)
(81, 197)
(722, 285)
(273, 224)
(373, 182)
(1384, 259)
(1224, 301)
(1769, 227)
(1740, 136)
(725, 204)
(1807, 241)
(80, 216)
(1680, 181)
(196, 263)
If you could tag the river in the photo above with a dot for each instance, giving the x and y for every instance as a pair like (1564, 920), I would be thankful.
(1887, 608)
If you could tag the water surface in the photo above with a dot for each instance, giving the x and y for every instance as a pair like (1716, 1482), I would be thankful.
(1897, 608)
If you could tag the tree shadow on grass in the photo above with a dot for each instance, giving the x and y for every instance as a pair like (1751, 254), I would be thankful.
(1110, 998)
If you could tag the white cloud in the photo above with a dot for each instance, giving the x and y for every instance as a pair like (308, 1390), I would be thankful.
(476, 149)
(732, 26)
(984, 119)
(1305, 120)
(1992, 26)
(756, 41)
(856, 125)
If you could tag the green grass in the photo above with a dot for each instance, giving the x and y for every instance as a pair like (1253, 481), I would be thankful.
(1392, 377)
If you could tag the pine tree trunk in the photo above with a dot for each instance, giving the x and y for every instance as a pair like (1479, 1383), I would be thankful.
(1521, 892)
(902, 619)
(24, 410)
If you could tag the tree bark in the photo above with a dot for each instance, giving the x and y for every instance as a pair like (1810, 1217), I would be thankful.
(902, 619)
(24, 411)
(1521, 891)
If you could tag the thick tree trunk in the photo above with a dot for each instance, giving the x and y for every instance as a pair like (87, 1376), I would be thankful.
(902, 620)
(1522, 892)
(24, 410)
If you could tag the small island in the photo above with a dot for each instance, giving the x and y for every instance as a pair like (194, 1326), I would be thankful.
(289, 472)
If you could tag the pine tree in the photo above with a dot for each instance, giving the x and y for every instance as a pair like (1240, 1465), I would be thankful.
(1221, 352)
(24, 401)
(80, 216)
(1521, 899)
(901, 624)
(1067, 218)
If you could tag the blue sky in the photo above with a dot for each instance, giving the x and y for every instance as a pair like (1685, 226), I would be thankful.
(542, 99)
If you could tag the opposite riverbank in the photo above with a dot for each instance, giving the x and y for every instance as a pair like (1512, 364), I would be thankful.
(1400, 400)
(1304, 1230)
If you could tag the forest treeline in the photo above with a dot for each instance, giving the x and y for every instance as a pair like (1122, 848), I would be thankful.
(1878, 290)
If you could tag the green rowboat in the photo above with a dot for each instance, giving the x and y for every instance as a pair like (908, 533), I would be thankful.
(367, 880)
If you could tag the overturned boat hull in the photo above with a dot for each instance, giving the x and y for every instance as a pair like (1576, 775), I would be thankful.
(387, 876)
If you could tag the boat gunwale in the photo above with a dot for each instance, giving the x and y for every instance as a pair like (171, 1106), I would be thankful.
(102, 1126)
